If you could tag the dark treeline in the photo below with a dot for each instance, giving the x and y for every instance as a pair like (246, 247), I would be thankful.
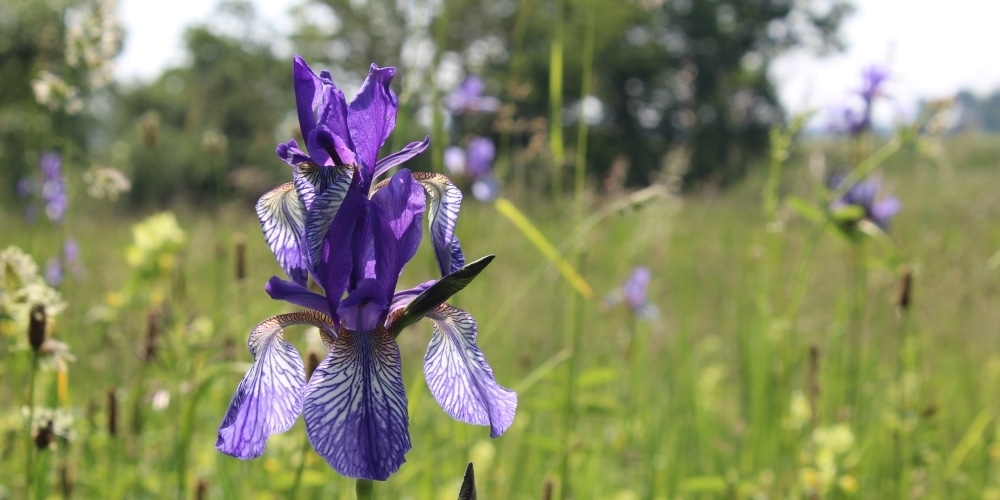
(690, 74)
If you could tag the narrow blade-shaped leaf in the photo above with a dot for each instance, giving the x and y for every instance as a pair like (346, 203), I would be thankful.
(436, 295)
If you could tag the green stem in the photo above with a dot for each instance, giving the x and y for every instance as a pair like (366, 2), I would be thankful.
(30, 450)
(585, 89)
(365, 489)
(294, 492)
(556, 99)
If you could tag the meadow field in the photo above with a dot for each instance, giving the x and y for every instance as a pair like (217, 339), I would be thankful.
(783, 360)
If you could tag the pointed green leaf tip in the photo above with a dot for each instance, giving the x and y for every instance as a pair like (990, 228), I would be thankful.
(439, 292)
(468, 491)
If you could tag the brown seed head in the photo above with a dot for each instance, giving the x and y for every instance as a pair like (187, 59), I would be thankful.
(112, 412)
(36, 327)
(904, 291)
(240, 242)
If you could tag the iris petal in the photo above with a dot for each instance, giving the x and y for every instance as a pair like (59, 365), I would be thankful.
(399, 207)
(282, 219)
(459, 377)
(270, 397)
(372, 117)
(411, 150)
(444, 202)
(355, 406)
(297, 294)
(322, 211)
(312, 180)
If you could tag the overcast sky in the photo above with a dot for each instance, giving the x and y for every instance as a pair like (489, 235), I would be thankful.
(932, 48)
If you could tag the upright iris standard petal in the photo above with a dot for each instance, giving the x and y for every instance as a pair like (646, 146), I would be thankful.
(444, 202)
(459, 377)
(372, 116)
(355, 407)
(338, 255)
(399, 208)
(282, 219)
(269, 399)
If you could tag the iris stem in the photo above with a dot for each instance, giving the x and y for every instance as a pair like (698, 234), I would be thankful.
(294, 492)
(30, 449)
(365, 489)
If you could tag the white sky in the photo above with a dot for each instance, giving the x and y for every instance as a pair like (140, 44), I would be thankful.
(932, 48)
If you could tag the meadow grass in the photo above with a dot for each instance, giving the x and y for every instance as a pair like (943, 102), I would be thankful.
(778, 366)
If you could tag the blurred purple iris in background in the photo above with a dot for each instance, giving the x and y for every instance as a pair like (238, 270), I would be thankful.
(853, 119)
(51, 188)
(633, 293)
(354, 237)
(865, 194)
(476, 163)
(468, 98)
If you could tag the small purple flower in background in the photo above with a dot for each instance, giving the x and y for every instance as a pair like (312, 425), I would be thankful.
(865, 194)
(633, 293)
(70, 258)
(54, 272)
(354, 238)
(476, 163)
(847, 117)
(53, 186)
(469, 98)
(872, 79)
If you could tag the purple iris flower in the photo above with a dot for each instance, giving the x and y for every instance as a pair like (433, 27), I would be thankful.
(865, 194)
(872, 79)
(634, 293)
(475, 162)
(469, 98)
(53, 186)
(354, 239)
(849, 118)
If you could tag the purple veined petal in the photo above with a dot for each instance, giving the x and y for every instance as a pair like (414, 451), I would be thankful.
(398, 209)
(459, 377)
(355, 406)
(372, 117)
(282, 219)
(322, 211)
(399, 157)
(312, 180)
(444, 202)
(297, 294)
(270, 397)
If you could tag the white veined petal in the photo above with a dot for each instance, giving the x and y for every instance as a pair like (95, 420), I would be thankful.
(459, 377)
(444, 202)
(282, 219)
(355, 406)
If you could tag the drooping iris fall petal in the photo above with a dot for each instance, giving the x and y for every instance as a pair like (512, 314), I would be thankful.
(459, 377)
(355, 408)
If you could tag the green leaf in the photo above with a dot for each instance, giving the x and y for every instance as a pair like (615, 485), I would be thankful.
(439, 292)
(805, 209)
(468, 490)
